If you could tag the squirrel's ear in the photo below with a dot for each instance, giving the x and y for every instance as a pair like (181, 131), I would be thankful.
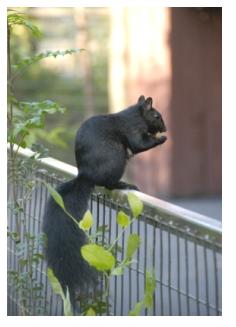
(148, 104)
(141, 99)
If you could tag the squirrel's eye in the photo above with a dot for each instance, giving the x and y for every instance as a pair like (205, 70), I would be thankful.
(156, 115)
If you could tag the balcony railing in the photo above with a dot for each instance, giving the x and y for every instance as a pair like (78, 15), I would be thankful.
(183, 247)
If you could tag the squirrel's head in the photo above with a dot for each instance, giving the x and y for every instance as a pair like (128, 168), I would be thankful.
(151, 116)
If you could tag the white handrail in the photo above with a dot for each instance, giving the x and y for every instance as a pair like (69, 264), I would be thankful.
(175, 213)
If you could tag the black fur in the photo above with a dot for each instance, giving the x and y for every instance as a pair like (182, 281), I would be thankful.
(102, 149)
(103, 142)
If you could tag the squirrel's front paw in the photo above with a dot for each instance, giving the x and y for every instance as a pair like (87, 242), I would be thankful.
(130, 187)
(161, 139)
(133, 187)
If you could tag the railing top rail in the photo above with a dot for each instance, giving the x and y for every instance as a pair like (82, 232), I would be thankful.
(154, 206)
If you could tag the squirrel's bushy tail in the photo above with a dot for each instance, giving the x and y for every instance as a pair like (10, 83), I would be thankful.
(64, 238)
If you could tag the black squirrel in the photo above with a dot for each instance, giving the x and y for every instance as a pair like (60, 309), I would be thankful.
(102, 147)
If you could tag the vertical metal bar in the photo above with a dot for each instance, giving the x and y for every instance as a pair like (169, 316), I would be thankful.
(44, 196)
(103, 239)
(46, 280)
(55, 298)
(15, 293)
(122, 278)
(196, 277)
(178, 274)
(98, 212)
(20, 196)
(138, 263)
(39, 218)
(10, 243)
(39, 271)
(36, 232)
(9, 310)
(91, 203)
(161, 271)
(154, 264)
(50, 304)
(31, 230)
(97, 225)
(11, 251)
(187, 273)
(32, 214)
(36, 211)
(130, 280)
(169, 272)
(216, 282)
(206, 278)
(27, 229)
(91, 209)
(145, 258)
(110, 223)
(29, 218)
(115, 292)
(41, 283)
(103, 218)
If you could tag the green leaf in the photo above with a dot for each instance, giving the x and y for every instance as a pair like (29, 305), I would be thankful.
(31, 115)
(136, 205)
(16, 18)
(23, 263)
(37, 257)
(137, 309)
(56, 286)
(149, 289)
(122, 219)
(118, 270)
(13, 235)
(39, 108)
(90, 312)
(57, 289)
(49, 53)
(132, 245)
(87, 221)
(98, 257)
(56, 196)
(67, 304)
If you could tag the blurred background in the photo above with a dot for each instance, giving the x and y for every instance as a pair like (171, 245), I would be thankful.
(171, 54)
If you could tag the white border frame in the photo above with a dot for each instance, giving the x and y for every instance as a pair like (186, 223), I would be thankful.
(229, 165)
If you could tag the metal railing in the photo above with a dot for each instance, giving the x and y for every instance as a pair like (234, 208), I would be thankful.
(183, 247)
